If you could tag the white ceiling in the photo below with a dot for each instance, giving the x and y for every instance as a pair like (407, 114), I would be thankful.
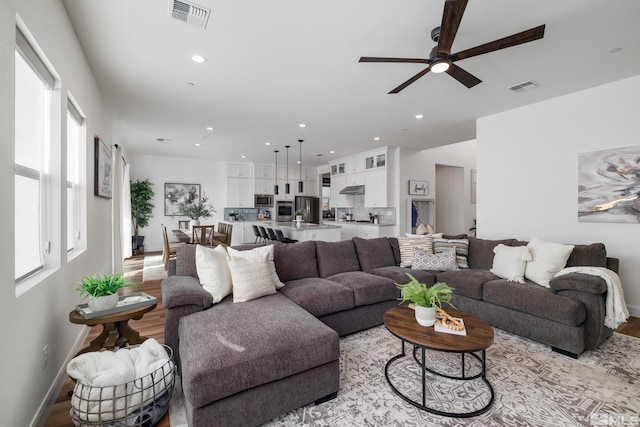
(274, 64)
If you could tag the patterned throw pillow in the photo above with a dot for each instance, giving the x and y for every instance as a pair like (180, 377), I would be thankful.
(443, 261)
(406, 245)
(461, 247)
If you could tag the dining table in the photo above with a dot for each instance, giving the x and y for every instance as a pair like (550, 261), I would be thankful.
(188, 237)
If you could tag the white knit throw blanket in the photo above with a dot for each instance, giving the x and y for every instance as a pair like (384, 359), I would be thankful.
(616, 308)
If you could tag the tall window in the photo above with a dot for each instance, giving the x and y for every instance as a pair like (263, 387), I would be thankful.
(33, 85)
(75, 134)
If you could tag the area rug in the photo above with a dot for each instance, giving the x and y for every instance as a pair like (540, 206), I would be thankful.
(533, 387)
(153, 268)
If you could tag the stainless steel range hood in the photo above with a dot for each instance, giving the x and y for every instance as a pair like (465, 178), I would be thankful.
(353, 190)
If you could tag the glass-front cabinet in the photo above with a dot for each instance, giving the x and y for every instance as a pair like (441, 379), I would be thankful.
(377, 160)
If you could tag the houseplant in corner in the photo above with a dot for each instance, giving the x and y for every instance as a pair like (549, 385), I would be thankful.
(426, 299)
(200, 209)
(103, 290)
(141, 209)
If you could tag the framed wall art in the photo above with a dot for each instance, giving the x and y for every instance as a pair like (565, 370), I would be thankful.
(609, 185)
(174, 194)
(103, 175)
(418, 188)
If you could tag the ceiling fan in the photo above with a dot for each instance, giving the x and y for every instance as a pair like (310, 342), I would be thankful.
(442, 60)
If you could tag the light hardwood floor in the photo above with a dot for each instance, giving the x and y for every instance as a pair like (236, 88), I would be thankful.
(152, 326)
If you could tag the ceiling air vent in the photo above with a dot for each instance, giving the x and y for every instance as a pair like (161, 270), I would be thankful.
(529, 84)
(190, 13)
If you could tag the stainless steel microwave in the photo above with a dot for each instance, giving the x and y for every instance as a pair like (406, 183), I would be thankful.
(262, 201)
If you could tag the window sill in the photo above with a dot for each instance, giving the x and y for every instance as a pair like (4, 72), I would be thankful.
(26, 285)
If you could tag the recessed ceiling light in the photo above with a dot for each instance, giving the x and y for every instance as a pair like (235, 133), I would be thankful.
(302, 125)
(243, 157)
(419, 116)
(209, 128)
(267, 143)
(197, 145)
(377, 138)
(332, 152)
(199, 59)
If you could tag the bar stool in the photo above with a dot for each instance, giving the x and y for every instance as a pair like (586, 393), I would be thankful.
(283, 239)
(272, 235)
(263, 234)
(256, 233)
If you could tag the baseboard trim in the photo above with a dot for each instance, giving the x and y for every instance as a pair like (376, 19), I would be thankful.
(40, 417)
(634, 310)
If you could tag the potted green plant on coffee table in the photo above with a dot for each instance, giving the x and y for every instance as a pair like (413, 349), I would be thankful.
(102, 290)
(425, 298)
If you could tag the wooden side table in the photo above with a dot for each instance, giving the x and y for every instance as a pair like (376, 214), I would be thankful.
(116, 331)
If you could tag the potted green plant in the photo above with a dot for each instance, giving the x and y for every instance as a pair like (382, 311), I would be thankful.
(299, 214)
(425, 298)
(141, 210)
(200, 209)
(103, 290)
(233, 216)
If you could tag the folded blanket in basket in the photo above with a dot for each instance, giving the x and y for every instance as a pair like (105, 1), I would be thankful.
(111, 385)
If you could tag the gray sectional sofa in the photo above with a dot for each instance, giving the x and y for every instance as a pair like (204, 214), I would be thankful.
(246, 363)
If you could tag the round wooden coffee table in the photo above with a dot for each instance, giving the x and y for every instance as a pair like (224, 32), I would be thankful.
(401, 322)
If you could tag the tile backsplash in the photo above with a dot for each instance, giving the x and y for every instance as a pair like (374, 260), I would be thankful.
(385, 215)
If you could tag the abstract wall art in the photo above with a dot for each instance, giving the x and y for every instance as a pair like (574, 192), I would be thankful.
(609, 185)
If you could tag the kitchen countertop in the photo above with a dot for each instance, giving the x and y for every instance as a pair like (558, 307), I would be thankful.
(304, 225)
(367, 224)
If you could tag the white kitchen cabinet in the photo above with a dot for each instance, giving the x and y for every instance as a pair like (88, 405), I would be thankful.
(263, 171)
(356, 178)
(376, 160)
(338, 168)
(354, 164)
(338, 182)
(239, 192)
(364, 231)
(375, 188)
(263, 185)
(239, 170)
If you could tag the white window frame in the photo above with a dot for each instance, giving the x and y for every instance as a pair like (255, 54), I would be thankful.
(78, 210)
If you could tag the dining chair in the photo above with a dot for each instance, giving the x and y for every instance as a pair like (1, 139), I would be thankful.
(229, 231)
(183, 224)
(225, 229)
(283, 239)
(168, 249)
(202, 234)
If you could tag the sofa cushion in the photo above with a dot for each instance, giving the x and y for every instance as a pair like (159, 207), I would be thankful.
(533, 299)
(374, 253)
(213, 270)
(395, 247)
(186, 261)
(467, 282)
(399, 275)
(235, 347)
(548, 259)
(594, 255)
(510, 262)
(295, 260)
(367, 288)
(481, 252)
(336, 257)
(319, 296)
(460, 245)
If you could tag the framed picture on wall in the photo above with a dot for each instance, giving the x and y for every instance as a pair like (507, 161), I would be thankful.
(174, 194)
(103, 175)
(418, 188)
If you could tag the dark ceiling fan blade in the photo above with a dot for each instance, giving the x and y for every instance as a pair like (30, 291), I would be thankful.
(411, 80)
(451, 17)
(463, 76)
(405, 60)
(513, 40)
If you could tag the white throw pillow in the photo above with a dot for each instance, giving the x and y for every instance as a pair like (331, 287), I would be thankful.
(510, 262)
(213, 271)
(260, 251)
(548, 259)
(251, 277)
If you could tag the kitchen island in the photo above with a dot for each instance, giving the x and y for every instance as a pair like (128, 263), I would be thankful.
(307, 231)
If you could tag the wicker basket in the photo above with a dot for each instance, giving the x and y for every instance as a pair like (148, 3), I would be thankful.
(138, 403)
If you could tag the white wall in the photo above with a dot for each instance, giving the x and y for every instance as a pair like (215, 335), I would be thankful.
(39, 317)
(528, 171)
(211, 175)
(421, 165)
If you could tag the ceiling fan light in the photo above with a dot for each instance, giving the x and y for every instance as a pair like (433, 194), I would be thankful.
(439, 67)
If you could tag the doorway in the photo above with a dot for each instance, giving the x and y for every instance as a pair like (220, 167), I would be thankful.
(450, 205)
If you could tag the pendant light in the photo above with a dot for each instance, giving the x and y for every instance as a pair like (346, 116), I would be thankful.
(275, 187)
(287, 187)
(300, 183)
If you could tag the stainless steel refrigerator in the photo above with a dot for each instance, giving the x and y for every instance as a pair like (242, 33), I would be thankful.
(311, 208)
